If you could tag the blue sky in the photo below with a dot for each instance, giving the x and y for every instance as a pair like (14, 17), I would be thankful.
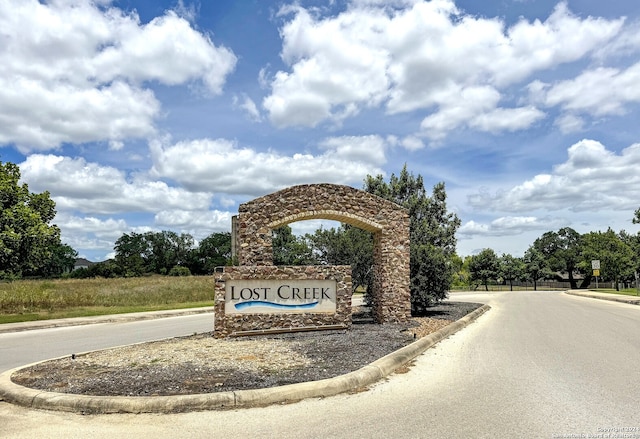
(166, 115)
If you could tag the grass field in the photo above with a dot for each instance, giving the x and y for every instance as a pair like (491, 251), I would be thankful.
(625, 292)
(28, 300)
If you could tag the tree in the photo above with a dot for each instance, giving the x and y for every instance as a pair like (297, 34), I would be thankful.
(633, 241)
(153, 252)
(432, 233)
(535, 265)
(132, 253)
(167, 249)
(289, 249)
(29, 245)
(510, 269)
(460, 266)
(213, 251)
(347, 245)
(562, 251)
(615, 256)
(62, 260)
(484, 266)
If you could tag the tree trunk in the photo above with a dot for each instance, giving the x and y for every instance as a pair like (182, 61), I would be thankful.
(585, 283)
(572, 281)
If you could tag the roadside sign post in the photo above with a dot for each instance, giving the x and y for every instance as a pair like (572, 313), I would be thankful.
(595, 266)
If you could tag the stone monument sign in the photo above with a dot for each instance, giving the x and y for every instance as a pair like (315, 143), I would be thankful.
(257, 296)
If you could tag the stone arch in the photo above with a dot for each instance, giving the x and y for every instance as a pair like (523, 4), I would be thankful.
(388, 222)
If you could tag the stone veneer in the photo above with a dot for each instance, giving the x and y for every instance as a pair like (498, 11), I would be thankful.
(388, 222)
(226, 325)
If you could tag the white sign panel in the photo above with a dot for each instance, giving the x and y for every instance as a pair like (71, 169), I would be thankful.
(595, 265)
(256, 296)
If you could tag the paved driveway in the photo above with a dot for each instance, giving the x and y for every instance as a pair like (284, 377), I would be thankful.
(538, 364)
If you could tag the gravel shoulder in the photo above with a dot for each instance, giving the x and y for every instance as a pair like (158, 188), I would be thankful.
(203, 364)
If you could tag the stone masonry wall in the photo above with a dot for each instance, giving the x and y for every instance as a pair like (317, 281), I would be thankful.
(236, 324)
(388, 222)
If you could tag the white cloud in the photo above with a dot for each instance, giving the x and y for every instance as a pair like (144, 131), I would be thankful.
(73, 71)
(199, 223)
(115, 145)
(412, 143)
(597, 92)
(363, 149)
(90, 233)
(592, 179)
(569, 123)
(509, 226)
(110, 228)
(221, 166)
(421, 56)
(77, 185)
(248, 106)
(337, 64)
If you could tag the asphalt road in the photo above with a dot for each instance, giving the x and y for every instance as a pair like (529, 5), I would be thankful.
(19, 348)
(538, 364)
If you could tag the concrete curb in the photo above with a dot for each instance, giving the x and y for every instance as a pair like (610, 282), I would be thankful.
(111, 318)
(32, 398)
(631, 300)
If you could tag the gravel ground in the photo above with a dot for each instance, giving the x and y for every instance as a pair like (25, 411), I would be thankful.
(203, 364)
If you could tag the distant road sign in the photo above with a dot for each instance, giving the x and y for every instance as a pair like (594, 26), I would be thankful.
(596, 273)
(595, 264)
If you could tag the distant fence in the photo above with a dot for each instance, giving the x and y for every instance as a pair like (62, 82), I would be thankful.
(543, 285)
(521, 286)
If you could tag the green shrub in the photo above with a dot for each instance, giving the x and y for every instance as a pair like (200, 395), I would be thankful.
(180, 271)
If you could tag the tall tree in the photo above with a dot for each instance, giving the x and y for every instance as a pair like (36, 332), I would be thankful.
(213, 251)
(484, 266)
(28, 243)
(510, 269)
(615, 256)
(153, 252)
(432, 233)
(132, 253)
(633, 241)
(562, 250)
(289, 249)
(347, 245)
(62, 260)
(535, 265)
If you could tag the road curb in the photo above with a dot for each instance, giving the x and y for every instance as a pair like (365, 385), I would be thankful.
(622, 299)
(361, 378)
(111, 318)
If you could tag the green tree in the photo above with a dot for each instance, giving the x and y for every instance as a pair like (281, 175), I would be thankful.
(562, 251)
(432, 234)
(213, 251)
(535, 266)
(62, 260)
(132, 253)
(615, 256)
(167, 249)
(484, 266)
(347, 245)
(153, 252)
(510, 269)
(29, 245)
(633, 241)
(462, 277)
(289, 249)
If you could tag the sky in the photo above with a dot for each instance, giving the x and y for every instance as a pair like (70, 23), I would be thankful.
(140, 115)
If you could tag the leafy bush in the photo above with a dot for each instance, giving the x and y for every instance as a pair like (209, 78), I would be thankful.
(180, 271)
